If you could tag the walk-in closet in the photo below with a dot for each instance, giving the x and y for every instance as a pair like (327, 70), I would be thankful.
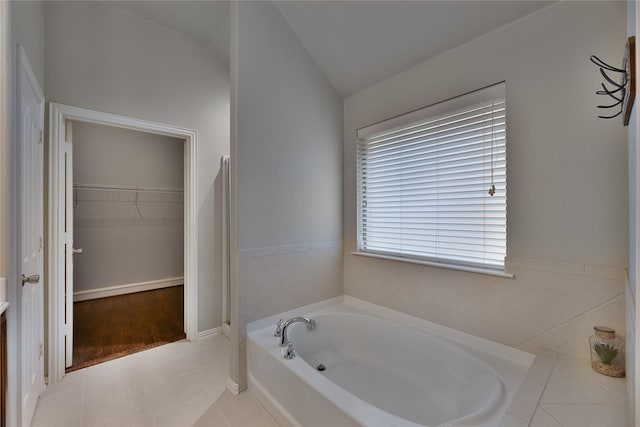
(128, 241)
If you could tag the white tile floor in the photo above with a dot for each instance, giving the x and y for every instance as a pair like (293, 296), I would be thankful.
(183, 384)
(563, 391)
(179, 384)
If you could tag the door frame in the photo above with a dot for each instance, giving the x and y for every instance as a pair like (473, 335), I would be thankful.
(58, 114)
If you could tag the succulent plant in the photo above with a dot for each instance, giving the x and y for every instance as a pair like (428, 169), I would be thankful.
(605, 352)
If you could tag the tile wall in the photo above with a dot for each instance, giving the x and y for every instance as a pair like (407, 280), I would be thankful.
(548, 304)
(277, 279)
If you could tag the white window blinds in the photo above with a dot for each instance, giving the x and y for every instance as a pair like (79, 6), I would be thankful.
(424, 180)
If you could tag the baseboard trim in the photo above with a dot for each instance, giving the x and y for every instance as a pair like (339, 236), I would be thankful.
(233, 386)
(226, 330)
(209, 333)
(129, 288)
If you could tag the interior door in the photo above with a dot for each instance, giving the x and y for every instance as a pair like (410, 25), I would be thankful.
(68, 244)
(30, 137)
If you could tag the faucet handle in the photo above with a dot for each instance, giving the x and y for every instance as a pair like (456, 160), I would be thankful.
(278, 332)
(288, 352)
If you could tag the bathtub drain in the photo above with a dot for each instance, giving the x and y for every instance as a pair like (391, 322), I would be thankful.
(321, 367)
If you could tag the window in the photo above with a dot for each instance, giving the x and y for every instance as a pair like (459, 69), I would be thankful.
(432, 184)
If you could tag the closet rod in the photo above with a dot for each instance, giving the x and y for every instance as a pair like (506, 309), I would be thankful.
(126, 188)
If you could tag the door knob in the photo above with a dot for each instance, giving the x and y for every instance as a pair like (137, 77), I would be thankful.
(76, 251)
(34, 278)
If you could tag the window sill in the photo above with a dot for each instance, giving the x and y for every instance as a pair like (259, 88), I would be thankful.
(468, 269)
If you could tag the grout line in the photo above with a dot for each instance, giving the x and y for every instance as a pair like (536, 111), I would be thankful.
(262, 407)
(524, 264)
(546, 383)
(605, 386)
(582, 404)
(579, 404)
(82, 399)
(514, 416)
(386, 300)
(145, 384)
(548, 413)
(563, 323)
(220, 412)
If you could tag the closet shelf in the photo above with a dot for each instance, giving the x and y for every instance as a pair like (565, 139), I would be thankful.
(120, 188)
(126, 194)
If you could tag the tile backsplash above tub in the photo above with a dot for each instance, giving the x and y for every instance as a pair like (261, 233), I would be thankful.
(280, 278)
(549, 304)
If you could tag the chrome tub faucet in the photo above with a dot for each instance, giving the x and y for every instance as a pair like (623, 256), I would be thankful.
(281, 333)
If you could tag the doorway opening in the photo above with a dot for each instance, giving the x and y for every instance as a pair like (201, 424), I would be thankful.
(111, 212)
(128, 241)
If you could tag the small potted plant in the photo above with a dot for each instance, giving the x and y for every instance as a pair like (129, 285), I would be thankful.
(607, 352)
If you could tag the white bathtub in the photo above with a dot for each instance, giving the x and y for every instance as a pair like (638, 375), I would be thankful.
(383, 368)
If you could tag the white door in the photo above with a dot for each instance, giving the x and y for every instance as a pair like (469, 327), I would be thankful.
(30, 137)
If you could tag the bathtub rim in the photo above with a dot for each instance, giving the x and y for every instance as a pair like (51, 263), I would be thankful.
(477, 345)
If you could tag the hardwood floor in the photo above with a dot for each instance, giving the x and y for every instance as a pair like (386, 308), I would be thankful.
(108, 328)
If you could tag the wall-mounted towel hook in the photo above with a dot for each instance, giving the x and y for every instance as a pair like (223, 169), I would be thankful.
(622, 92)
(617, 87)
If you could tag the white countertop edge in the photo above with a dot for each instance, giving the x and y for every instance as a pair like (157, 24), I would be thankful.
(3, 306)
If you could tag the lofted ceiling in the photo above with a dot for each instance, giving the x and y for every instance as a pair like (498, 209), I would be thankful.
(359, 43)
(206, 22)
(355, 43)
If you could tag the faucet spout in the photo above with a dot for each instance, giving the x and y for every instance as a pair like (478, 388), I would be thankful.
(284, 341)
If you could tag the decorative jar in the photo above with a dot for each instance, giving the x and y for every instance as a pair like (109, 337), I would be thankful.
(607, 352)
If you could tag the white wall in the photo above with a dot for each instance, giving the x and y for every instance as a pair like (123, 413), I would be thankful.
(633, 171)
(26, 27)
(123, 245)
(102, 58)
(288, 163)
(288, 166)
(290, 123)
(632, 282)
(5, 57)
(567, 221)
